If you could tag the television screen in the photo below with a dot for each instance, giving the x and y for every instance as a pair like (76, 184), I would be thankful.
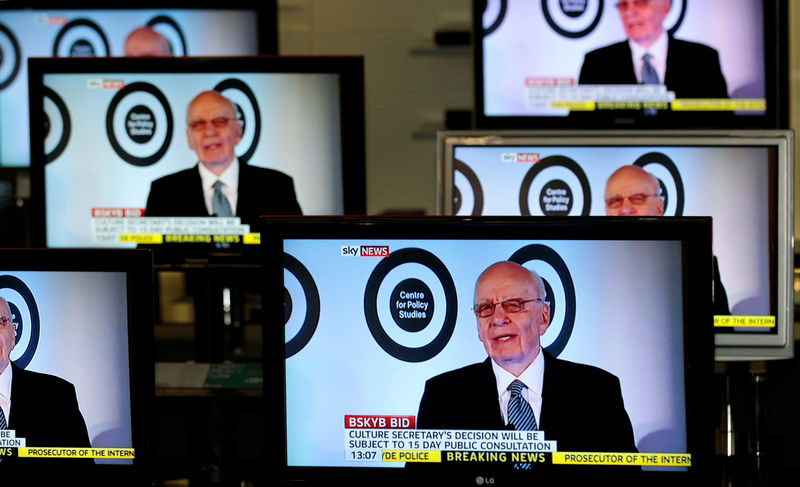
(438, 315)
(27, 31)
(76, 360)
(119, 126)
(629, 63)
(742, 179)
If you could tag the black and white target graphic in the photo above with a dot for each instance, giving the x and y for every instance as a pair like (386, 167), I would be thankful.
(25, 317)
(676, 15)
(139, 124)
(10, 57)
(560, 292)
(494, 12)
(81, 38)
(301, 305)
(555, 186)
(572, 18)
(169, 28)
(58, 125)
(247, 112)
(467, 190)
(665, 170)
(410, 305)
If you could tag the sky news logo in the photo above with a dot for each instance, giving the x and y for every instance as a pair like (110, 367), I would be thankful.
(364, 251)
(525, 157)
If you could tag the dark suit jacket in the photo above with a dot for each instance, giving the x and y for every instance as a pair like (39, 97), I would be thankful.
(693, 70)
(582, 407)
(44, 411)
(261, 192)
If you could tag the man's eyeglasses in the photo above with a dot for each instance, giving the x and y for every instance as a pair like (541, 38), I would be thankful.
(5, 321)
(635, 199)
(638, 4)
(200, 125)
(513, 305)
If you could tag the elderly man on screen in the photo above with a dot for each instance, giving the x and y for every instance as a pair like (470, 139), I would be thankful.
(520, 385)
(41, 408)
(220, 184)
(651, 55)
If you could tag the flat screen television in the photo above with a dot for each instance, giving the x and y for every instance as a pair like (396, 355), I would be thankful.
(116, 125)
(743, 179)
(85, 317)
(86, 29)
(580, 64)
(365, 311)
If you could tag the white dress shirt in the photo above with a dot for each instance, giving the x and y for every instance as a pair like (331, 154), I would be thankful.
(658, 59)
(5, 391)
(230, 177)
(532, 377)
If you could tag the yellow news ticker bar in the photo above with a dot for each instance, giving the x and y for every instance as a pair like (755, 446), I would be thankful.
(157, 238)
(126, 453)
(679, 105)
(635, 459)
(421, 456)
(725, 321)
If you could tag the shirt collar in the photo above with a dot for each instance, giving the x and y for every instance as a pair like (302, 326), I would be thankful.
(532, 376)
(230, 177)
(5, 382)
(658, 49)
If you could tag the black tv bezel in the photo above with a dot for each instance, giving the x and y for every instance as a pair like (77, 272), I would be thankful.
(693, 232)
(776, 116)
(350, 70)
(137, 264)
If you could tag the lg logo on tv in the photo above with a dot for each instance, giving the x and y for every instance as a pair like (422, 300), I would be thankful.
(480, 480)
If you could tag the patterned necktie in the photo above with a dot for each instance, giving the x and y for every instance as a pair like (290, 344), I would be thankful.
(520, 414)
(219, 203)
(649, 77)
(3, 424)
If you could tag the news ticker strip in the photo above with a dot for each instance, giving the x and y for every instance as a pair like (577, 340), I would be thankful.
(129, 225)
(108, 453)
(687, 105)
(381, 438)
(555, 458)
(727, 321)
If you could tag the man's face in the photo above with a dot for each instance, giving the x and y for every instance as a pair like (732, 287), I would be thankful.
(633, 192)
(643, 20)
(6, 335)
(146, 42)
(511, 339)
(213, 131)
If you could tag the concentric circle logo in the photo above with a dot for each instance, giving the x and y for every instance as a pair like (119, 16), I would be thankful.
(559, 289)
(572, 18)
(23, 310)
(58, 126)
(170, 29)
(248, 114)
(139, 124)
(675, 16)
(421, 280)
(473, 192)
(494, 12)
(555, 195)
(662, 167)
(81, 38)
(298, 280)
(10, 57)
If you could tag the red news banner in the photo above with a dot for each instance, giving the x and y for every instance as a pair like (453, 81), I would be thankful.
(395, 439)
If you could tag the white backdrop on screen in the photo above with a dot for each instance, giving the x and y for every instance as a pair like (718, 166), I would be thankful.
(515, 50)
(207, 33)
(84, 340)
(300, 136)
(628, 299)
